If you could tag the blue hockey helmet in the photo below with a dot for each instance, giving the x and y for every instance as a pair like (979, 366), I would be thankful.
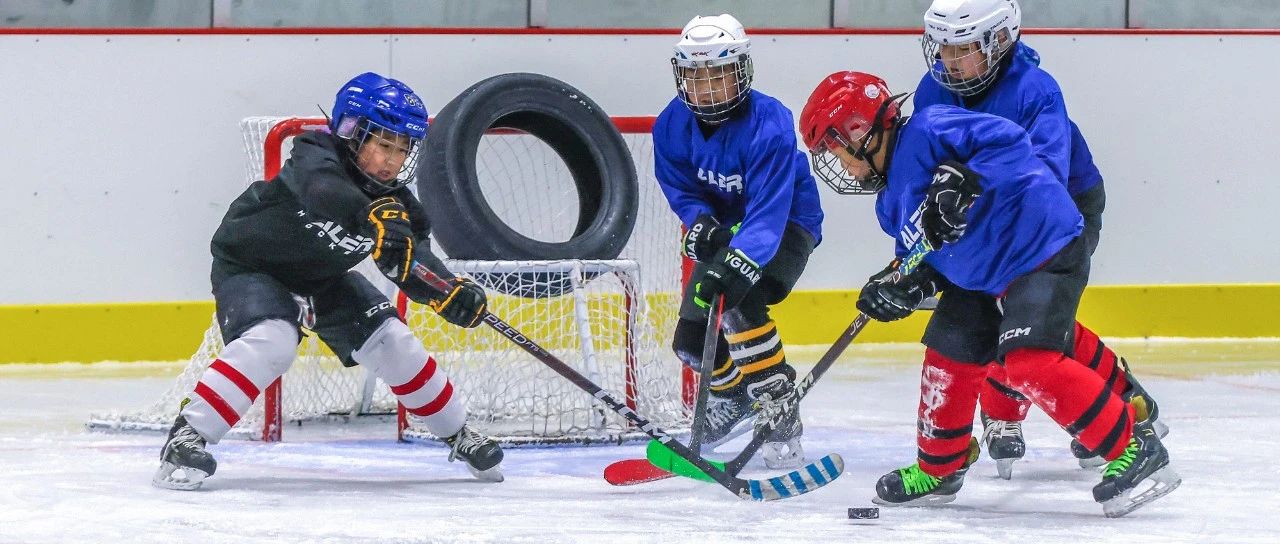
(372, 107)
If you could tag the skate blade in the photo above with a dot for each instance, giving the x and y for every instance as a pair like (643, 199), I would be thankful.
(1092, 462)
(927, 500)
(1163, 482)
(489, 475)
(1004, 467)
(783, 455)
(1160, 428)
(189, 481)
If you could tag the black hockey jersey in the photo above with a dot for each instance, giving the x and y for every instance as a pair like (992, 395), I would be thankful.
(306, 227)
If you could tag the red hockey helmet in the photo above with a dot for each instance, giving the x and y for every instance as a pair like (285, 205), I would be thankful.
(849, 111)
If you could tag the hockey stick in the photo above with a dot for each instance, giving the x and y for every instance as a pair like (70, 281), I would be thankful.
(798, 482)
(661, 456)
(639, 471)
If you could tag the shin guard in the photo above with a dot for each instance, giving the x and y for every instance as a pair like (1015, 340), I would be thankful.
(998, 400)
(395, 355)
(1073, 396)
(948, 394)
(243, 369)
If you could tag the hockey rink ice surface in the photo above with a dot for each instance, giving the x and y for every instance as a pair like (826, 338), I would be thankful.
(60, 483)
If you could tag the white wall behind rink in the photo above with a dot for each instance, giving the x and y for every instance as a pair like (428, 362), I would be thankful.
(121, 153)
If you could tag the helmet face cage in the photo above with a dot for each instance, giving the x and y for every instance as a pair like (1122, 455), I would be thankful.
(711, 90)
(360, 131)
(992, 47)
(828, 167)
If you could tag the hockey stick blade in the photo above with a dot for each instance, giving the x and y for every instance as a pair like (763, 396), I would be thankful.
(781, 487)
(635, 471)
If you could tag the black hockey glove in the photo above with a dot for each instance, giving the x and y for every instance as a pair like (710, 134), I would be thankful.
(889, 297)
(705, 237)
(947, 203)
(392, 238)
(463, 305)
(730, 274)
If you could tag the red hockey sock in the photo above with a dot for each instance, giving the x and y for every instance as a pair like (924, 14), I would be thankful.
(948, 394)
(1073, 396)
(1091, 352)
(998, 400)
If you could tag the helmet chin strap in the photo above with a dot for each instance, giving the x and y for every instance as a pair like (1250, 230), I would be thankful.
(879, 176)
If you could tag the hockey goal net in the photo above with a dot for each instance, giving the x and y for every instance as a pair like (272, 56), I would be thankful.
(613, 324)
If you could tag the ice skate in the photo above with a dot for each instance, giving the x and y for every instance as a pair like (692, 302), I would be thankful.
(726, 419)
(480, 452)
(1140, 475)
(774, 408)
(1004, 443)
(184, 463)
(912, 486)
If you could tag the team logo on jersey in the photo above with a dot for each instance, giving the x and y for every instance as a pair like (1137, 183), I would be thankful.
(728, 184)
(911, 232)
(338, 240)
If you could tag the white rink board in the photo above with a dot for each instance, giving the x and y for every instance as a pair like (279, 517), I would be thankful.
(124, 150)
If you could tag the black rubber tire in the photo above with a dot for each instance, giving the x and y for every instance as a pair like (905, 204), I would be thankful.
(464, 224)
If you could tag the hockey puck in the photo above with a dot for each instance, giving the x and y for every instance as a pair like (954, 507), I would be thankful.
(864, 513)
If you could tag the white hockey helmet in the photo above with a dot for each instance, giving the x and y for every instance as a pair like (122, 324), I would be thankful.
(712, 66)
(994, 25)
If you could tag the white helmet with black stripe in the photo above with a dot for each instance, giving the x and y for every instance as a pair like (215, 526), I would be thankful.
(712, 67)
(965, 41)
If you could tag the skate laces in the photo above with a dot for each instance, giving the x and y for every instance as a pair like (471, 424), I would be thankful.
(1002, 429)
(916, 481)
(724, 412)
(1122, 463)
(465, 443)
(186, 436)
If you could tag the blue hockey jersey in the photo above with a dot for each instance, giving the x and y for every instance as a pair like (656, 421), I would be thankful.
(1023, 217)
(750, 170)
(1030, 97)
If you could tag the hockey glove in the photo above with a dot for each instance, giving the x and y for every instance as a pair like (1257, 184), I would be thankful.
(730, 274)
(705, 237)
(947, 203)
(463, 305)
(392, 237)
(889, 297)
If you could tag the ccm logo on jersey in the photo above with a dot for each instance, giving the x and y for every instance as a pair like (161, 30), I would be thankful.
(1014, 333)
(338, 240)
(731, 184)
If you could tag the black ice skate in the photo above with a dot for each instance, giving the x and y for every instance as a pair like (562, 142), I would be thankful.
(480, 452)
(1004, 443)
(1144, 408)
(774, 408)
(912, 486)
(726, 419)
(1140, 475)
(184, 463)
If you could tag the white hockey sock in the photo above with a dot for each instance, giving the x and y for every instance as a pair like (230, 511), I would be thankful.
(395, 355)
(245, 367)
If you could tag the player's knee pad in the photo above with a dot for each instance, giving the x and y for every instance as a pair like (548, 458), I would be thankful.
(269, 346)
(948, 395)
(394, 354)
